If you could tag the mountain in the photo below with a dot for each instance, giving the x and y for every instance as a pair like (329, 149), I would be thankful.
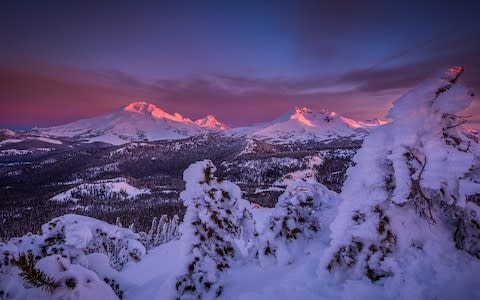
(7, 133)
(304, 124)
(142, 121)
(211, 122)
(138, 121)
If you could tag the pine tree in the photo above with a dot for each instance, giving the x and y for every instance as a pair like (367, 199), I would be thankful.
(34, 276)
(173, 228)
(295, 221)
(215, 216)
(422, 171)
(151, 234)
(159, 239)
(118, 222)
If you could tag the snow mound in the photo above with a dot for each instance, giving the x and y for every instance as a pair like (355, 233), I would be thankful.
(64, 252)
(301, 214)
(211, 122)
(87, 284)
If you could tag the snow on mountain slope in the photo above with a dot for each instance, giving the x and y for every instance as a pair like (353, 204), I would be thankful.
(211, 122)
(138, 121)
(303, 124)
(307, 174)
(143, 121)
(102, 189)
(38, 138)
(7, 133)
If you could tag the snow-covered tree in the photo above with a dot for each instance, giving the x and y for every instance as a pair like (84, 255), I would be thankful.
(54, 277)
(151, 232)
(118, 223)
(216, 216)
(161, 232)
(297, 218)
(150, 236)
(159, 237)
(413, 195)
(74, 237)
(71, 242)
(173, 231)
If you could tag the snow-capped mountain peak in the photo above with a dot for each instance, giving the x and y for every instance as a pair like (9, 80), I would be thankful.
(211, 122)
(308, 117)
(144, 121)
(146, 108)
(301, 115)
(138, 121)
(304, 124)
(141, 107)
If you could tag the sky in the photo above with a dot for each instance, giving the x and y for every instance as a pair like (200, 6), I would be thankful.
(243, 61)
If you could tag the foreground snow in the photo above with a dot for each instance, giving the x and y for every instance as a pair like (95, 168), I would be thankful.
(301, 280)
(154, 277)
(73, 258)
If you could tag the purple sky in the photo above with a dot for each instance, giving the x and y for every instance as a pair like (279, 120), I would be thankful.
(246, 62)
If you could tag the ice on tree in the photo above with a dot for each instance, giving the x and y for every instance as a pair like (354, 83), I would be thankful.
(410, 199)
(296, 219)
(216, 217)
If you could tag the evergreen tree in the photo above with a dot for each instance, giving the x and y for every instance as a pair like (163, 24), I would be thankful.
(151, 234)
(414, 179)
(296, 220)
(118, 222)
(215, 216)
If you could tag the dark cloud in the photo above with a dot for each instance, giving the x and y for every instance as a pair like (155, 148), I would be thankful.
(345, 35)
(407, 75)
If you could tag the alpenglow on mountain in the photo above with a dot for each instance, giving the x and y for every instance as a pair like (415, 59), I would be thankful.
(138, 121)
(303, 124)
(143, 121)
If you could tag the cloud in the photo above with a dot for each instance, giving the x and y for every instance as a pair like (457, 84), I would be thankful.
(52, 95)
(42, 94)
(406, 75)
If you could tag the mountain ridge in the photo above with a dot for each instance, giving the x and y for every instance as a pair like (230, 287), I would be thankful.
(144, 121)
(304, 124)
